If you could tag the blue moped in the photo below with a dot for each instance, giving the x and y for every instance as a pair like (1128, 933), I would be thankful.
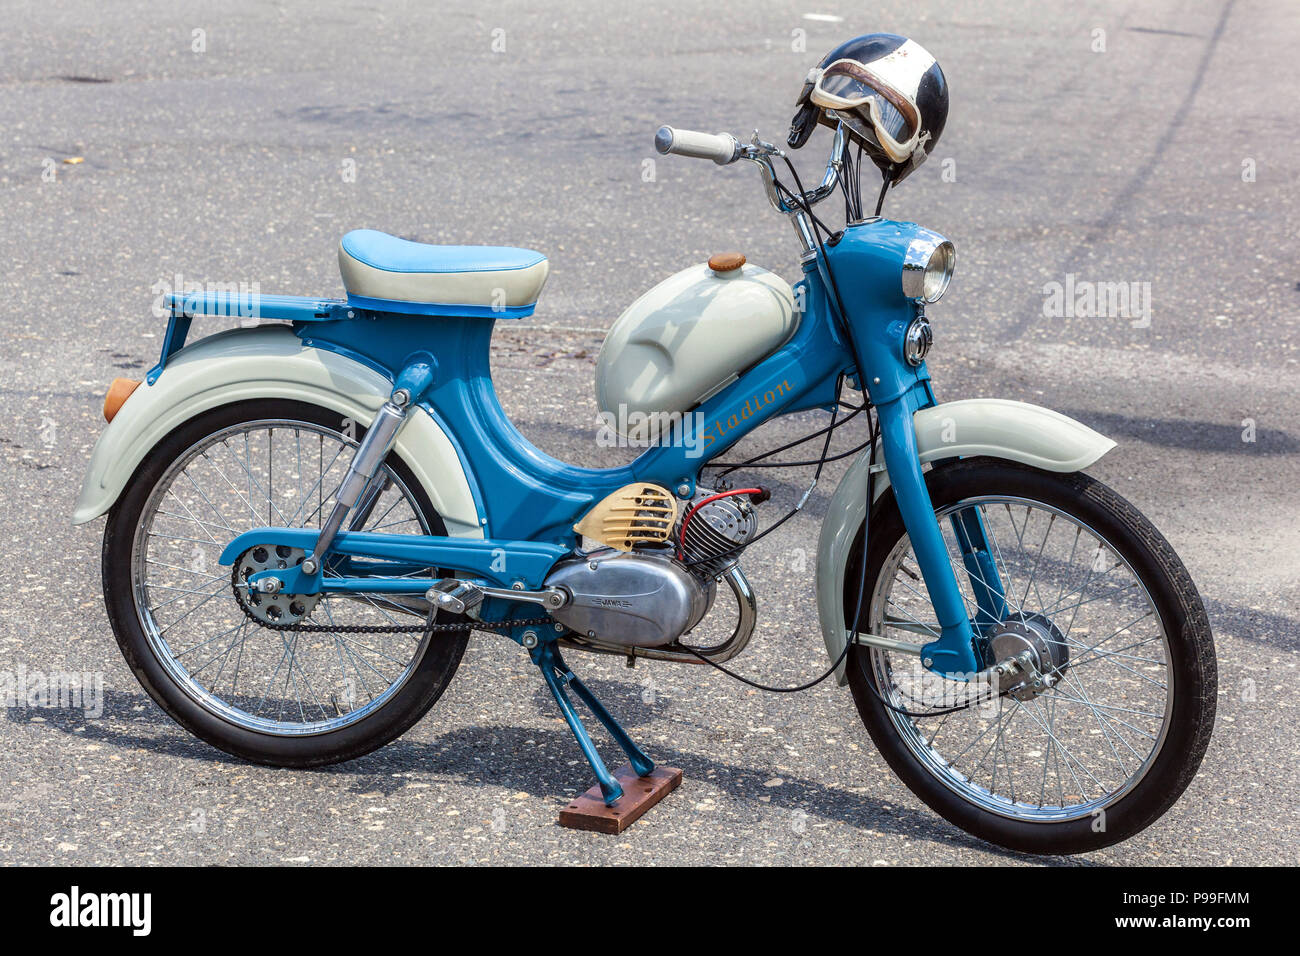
(307, 515)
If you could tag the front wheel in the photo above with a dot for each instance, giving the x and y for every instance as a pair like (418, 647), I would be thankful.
(1093, 590)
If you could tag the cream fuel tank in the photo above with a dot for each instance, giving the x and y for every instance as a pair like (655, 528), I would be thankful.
(688, 338)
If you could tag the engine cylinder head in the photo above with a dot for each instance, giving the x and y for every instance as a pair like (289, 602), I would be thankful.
(714, 532)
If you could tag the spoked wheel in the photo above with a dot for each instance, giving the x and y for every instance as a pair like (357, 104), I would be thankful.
(241, 670)
(1097, 601)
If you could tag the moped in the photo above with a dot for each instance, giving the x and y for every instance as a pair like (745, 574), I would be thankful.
(307, 517)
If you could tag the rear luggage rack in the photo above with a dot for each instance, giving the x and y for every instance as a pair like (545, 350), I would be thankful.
(244, 306)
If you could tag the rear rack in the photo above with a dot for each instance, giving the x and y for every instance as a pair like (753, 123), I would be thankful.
(244, 306)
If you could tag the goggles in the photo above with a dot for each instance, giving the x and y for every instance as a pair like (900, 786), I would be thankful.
(871, 104)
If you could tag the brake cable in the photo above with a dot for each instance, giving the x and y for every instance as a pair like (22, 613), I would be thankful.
(818, 228)
(839, 382)
(847, 644)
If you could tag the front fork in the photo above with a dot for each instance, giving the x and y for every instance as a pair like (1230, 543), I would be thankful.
(956, 653)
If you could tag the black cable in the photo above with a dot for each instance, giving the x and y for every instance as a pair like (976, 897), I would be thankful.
(880, 200)
(857, 179)
(732, 466)
(754, 540)
(797, 464)
(848, 644)
(839, 384)
(857, 614)
(798, 201)
(818, 227)
(774, 690)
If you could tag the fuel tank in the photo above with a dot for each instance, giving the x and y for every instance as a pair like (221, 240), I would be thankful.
(688, 338)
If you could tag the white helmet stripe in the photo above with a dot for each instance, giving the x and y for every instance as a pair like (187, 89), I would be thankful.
(904, 67)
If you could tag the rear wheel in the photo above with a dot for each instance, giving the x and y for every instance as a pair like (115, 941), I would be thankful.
(203, 648)
(1107, 612)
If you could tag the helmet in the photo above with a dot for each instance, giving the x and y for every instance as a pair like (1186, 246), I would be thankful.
(887, 91)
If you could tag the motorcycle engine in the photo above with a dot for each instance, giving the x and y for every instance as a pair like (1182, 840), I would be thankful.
(647, 597)
(712, 538)
(642, 598)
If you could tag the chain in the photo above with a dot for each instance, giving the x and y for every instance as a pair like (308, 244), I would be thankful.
(467, 625)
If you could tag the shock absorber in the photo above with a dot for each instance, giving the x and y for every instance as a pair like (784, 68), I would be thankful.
(380, 438)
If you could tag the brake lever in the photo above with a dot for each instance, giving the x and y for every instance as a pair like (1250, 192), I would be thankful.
(757, 147)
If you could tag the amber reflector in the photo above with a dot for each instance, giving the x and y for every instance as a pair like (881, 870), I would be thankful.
(118, 392)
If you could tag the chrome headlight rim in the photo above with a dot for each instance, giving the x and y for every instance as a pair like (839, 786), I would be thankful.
(928, 267)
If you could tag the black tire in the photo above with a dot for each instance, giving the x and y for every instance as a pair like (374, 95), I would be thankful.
(1190, 658)
(440, 655)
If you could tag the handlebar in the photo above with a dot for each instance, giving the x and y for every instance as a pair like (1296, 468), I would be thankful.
(722, 148)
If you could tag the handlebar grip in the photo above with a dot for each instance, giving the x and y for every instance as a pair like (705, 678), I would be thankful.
(722, 148)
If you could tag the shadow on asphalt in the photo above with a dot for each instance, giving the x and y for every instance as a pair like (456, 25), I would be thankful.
(531, 760)
(1182, 433)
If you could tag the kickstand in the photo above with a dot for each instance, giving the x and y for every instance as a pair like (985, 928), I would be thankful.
(557, 674)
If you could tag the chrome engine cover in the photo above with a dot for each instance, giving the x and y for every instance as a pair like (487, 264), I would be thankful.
(631, 599)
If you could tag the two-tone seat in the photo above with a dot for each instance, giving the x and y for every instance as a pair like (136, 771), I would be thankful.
(389, 274)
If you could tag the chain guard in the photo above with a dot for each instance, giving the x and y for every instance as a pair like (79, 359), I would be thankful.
(257, 606)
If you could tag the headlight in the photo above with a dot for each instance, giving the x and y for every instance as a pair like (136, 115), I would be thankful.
(927, 267)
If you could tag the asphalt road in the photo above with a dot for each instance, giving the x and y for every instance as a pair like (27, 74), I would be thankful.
(1167, 158)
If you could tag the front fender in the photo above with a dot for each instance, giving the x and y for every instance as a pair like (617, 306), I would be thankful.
(1016, 431)
(260, 363)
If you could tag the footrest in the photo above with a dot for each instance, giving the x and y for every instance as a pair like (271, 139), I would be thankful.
(588, 812)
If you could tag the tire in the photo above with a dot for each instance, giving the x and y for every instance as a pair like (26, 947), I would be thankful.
(917, 750)
(239, 730)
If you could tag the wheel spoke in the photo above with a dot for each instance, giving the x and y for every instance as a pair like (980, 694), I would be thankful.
(1092, 734)
(208, 636)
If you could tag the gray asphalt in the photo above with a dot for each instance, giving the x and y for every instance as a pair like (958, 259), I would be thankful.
(227, 165)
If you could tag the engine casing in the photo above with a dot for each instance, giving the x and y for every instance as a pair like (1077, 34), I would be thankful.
(632, 599)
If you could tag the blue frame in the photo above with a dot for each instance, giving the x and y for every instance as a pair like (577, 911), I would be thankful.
(529, 501)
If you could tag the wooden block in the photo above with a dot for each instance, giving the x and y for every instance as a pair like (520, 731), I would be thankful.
(588, 812)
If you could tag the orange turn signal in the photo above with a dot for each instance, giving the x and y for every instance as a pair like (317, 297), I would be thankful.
(118, 392)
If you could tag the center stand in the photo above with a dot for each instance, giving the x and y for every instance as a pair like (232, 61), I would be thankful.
(618, 799)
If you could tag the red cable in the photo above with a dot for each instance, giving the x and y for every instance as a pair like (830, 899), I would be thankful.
(681, 538)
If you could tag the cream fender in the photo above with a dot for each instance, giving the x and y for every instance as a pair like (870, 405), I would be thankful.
(1016, 431)
(261, 363)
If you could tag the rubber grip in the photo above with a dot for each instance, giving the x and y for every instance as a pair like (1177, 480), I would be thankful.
(722, 148)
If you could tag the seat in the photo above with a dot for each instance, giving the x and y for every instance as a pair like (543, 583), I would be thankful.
(385, 273)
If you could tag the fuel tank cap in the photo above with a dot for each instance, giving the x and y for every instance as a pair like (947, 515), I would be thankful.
(724, 262)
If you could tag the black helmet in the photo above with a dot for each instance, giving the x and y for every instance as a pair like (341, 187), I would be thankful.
(887, 91)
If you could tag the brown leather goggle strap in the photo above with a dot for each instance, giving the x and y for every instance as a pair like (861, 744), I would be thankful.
(864, 75)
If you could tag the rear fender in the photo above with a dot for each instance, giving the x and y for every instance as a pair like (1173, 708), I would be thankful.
(261, 363)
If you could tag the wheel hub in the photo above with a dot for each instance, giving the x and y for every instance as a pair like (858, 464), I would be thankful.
(1031, 655)
(271, 608)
